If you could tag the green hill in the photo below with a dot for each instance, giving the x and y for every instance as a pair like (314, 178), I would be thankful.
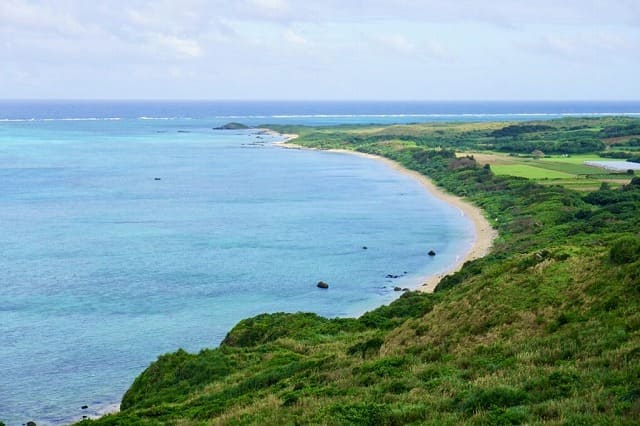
(544, 330)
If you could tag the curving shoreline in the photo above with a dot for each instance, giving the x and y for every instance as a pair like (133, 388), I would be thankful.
(484, 232)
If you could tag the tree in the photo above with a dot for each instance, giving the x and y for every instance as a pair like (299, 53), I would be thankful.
(537, 154)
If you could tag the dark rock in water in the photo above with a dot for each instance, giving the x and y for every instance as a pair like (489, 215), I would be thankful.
(322, 284)
(183, 131)
(364, 247)
(431, 253)
(157, 178)
(392, 276)
(31, 423)
(84, 407)
(405, 272)
(397, 289)
(405, 289)
(232, 126)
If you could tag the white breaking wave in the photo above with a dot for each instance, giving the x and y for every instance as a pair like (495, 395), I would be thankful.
(161, 118)
(338, 116)
(523, 114)
(62, 119)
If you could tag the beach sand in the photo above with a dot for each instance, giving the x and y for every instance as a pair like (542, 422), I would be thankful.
(484, 233)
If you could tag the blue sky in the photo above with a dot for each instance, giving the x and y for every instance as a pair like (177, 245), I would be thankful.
(332, 49)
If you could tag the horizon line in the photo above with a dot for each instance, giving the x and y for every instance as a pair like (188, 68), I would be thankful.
(316, 100)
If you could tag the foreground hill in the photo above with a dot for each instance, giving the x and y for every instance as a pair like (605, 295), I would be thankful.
(546, 329)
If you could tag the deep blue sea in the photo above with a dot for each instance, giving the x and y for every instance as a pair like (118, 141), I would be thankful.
(131, 229)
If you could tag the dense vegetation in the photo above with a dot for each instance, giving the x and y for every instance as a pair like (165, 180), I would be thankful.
(546, 329)
(565, 136)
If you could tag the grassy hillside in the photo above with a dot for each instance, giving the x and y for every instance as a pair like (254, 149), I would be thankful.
(546, 329)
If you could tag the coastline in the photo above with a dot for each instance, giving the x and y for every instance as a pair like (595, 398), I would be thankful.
(484, 232)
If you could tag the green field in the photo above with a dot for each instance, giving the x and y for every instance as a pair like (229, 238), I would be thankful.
(573, 159)
(568, 171)
(529, 172)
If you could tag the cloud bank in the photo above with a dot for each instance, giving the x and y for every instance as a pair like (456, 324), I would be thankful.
(285, 49)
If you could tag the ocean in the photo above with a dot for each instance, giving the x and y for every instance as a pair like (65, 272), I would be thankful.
(132, 229)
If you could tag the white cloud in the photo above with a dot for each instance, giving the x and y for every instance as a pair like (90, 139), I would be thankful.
(396, 42)
(16, 14)
(400, 44)
(295, 38)
(182, 46)
(272, 5)
(247, 42)
(584, 46)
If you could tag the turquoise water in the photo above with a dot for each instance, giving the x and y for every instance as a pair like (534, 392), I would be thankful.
(103, 267)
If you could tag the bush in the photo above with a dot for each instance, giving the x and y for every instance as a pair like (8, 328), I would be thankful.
(557, 385)
(412, 304)
(484, 399)
(360, 414)
(173, 376)
(625, 250)
(265, 328)
(385, 367)
(509, 416)
(371, 346)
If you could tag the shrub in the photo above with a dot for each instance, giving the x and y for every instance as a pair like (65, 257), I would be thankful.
(557, 385)
(625, 250)
(361, 414)
(371, 346)
(173, 376)
(509, 416)
(385, 367)
(267, 328)
(484, 399)
(412, 304)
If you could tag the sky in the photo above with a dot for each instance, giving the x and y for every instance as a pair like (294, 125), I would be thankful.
(320, 50)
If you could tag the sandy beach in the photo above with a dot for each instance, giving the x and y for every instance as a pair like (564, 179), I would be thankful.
(484, 233)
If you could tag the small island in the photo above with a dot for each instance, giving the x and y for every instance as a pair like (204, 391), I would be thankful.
(232, 126)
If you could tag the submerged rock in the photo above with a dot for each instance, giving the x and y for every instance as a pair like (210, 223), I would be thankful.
(397, 289)
(431, 253)
(322, 284)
